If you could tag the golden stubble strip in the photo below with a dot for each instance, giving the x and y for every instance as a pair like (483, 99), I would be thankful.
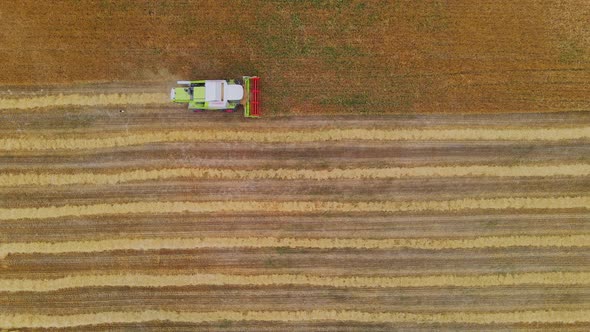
(84, 100)
(41, 143)
(578, 240)
(95, 178)
(113, 317)
(180, 280)
(295, 206)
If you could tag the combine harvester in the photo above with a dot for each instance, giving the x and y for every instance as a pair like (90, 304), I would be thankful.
(226, 95)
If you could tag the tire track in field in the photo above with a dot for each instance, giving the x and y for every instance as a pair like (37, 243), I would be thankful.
(342, 225)
(293, 298)
(96, 178)
(581, 202)
(304, 261)
(201, 190)
(44, 143)
(113, 317)
(83, 100)
(373, 154)
(218, 279)
(174, 115)
(581, 240)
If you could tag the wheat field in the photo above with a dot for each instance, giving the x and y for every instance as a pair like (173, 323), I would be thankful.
(157, 219)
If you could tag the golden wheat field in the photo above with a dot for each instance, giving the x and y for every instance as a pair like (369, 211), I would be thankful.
(156, 219)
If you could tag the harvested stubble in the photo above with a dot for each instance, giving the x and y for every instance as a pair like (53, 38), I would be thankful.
(44, 268)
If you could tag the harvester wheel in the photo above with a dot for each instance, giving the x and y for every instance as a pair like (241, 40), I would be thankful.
(239, 108)
(238, 81)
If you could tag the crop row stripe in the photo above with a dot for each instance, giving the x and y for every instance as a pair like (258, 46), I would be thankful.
(152, 280)
(46, 179)
(114, 317)
(40, 143)
(84, 100)
(582, 202)
(578, 240)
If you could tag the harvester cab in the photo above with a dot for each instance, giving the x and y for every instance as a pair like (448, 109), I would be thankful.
(227, 95)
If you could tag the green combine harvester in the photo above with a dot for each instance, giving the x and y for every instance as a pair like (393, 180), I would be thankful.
(226, 95)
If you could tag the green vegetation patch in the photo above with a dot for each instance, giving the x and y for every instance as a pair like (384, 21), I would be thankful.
(570, 52)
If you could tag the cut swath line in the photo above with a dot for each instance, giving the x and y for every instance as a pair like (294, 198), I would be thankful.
(580, 202)
(581, 240)
(84, 100)
(114, 317)
(95, 178)
(43, 143)
(154, 280)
